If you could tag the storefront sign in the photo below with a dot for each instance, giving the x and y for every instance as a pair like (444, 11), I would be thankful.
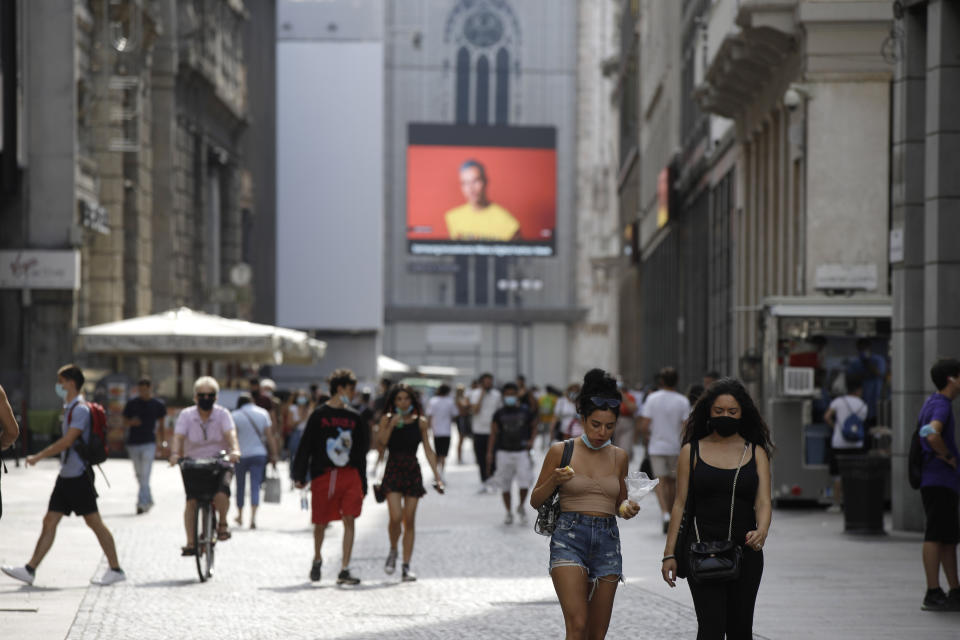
(846, 276)
(454, 334)
(896, 245)
(663, 198)
(39, 269)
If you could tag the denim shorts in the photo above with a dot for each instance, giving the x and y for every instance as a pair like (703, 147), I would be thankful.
(590, 542)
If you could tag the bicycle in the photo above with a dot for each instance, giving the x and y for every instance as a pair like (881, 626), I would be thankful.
(204, 476)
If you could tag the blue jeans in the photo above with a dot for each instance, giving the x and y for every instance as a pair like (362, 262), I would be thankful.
(257, 466)
(589, 542)
(142, 456)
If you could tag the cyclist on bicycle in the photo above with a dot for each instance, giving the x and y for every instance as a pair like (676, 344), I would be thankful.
(202, 431)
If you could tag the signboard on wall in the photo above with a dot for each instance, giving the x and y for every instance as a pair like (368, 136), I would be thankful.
(846, 276)
(40, 269)
(454, 334)
(481, 190)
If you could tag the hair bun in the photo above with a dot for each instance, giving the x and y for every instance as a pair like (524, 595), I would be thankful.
(599, 382)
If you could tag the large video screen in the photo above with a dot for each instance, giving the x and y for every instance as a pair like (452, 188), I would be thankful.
(475, 190)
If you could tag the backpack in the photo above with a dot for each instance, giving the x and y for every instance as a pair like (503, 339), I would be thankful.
(852, 429)
(94, 451)
(915, 459)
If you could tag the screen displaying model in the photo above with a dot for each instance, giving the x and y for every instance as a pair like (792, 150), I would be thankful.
(475, 190)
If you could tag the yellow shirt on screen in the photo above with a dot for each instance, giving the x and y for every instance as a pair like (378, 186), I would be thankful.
(493, 222)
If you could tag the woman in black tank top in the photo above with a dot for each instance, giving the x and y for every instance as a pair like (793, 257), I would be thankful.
(725, 439)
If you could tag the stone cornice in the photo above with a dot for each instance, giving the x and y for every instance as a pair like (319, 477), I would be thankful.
(836, 41)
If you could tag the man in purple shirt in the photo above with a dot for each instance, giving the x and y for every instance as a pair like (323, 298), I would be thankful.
(939, 486)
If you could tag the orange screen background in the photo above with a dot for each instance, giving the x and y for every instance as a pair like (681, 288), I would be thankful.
(522, 181)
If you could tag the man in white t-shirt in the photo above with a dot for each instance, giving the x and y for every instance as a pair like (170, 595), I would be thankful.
(840, 409)
(441, 412)
(661, 424)
(484, 402)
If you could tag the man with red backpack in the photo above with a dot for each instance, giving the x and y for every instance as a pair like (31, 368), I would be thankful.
(74, 491)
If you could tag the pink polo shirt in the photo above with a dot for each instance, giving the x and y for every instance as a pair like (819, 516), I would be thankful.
(204, 439)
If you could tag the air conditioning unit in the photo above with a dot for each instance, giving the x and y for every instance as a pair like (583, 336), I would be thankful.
(798, 381)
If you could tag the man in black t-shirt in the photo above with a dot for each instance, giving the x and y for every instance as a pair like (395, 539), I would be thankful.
(141, 417)
(511, 438)
(334, 450)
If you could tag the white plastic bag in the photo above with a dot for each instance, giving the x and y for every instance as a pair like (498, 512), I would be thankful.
(639, 485)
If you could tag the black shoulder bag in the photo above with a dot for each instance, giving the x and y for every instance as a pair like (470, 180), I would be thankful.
(717, 561)
(549, 511)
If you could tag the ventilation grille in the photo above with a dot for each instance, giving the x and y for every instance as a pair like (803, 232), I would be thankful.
(798, 381)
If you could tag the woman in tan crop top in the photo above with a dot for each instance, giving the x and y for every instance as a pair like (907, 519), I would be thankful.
(585, 560)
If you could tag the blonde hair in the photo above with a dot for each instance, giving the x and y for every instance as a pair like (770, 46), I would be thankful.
(206, 381)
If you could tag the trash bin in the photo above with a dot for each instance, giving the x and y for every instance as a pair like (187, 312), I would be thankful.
(864, 478)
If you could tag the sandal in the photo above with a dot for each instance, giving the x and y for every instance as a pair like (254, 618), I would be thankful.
(223, 533)
(188, 550)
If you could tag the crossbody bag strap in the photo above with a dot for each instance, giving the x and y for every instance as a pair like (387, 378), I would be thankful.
(252, 424)
(565, 459)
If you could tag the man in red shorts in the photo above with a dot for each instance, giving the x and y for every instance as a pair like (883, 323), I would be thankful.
(333, 449)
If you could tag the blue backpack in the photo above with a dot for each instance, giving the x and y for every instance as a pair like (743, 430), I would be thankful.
(852, 429)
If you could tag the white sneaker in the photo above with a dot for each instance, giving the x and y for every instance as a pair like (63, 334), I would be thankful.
(508, 519)
(109, 577)
(523, 516)
(20, 573)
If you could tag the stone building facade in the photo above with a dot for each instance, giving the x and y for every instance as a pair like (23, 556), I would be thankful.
(130, 152)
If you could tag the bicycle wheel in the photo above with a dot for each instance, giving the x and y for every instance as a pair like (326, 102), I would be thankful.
(211, 527)
(199, 536)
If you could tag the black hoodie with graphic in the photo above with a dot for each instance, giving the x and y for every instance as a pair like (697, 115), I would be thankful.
(333, 438)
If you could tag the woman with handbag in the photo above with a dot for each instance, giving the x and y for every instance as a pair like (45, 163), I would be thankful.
(721, 514)
(585, 561)
(257, 447)
(402, 428)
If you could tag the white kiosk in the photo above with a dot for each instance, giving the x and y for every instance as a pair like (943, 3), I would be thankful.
(807, 345)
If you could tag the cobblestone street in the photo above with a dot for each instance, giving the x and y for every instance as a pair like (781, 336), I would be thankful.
(478, 578)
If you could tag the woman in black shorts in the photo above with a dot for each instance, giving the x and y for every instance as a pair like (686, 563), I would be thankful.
(402, 428)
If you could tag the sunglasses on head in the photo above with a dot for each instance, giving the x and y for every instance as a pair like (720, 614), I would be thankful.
(597, 401)
(206, 395)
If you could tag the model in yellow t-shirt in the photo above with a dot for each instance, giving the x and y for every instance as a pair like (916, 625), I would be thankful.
(478, 218)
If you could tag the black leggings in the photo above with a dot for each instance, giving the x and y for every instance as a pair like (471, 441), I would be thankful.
(725, 609)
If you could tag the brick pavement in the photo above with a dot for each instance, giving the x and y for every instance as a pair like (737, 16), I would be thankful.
(478, 577)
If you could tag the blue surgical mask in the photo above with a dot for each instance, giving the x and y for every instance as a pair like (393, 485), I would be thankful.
(345, 400)
(302, 400)
(60, 391)
(586, 441)
(404, 412)
(510, 401)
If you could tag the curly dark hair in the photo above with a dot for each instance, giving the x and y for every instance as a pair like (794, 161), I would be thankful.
(597, 384)
(390, 406)
(753, 429)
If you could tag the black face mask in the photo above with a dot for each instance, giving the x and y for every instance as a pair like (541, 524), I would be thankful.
(725, 426)
(205, 403)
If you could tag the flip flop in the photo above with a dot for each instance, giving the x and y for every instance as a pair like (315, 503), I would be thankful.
(223, 534)
(188, 551)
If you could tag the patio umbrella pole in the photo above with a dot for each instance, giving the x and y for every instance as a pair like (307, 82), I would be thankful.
(179, 376)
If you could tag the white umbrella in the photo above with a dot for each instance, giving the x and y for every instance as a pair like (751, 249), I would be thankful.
(386, 364)
(184, 332)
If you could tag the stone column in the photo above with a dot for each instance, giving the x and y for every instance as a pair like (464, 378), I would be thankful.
(908, 365)
(941, 273)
